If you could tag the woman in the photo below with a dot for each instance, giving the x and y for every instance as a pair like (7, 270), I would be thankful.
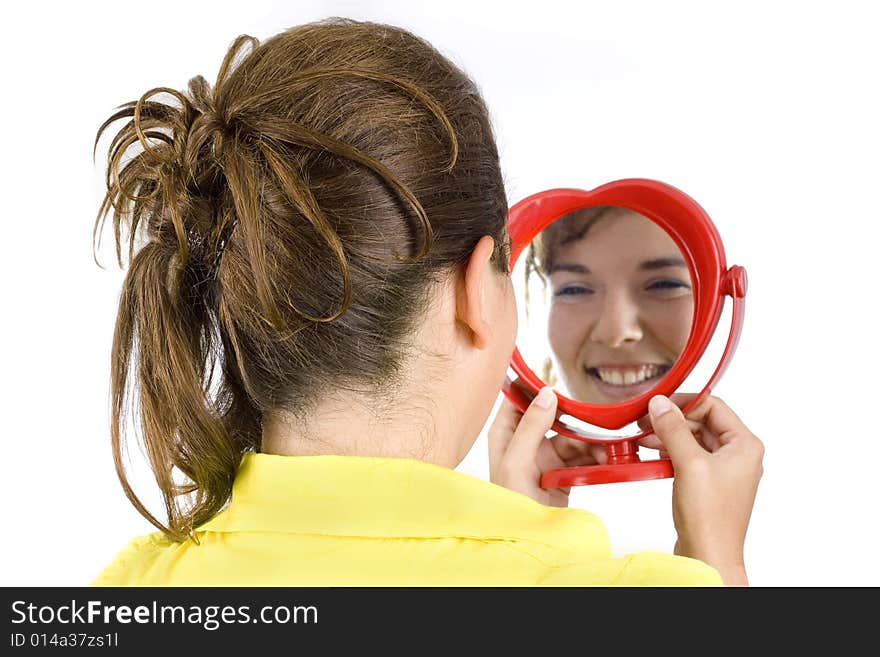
(621, 302)
(327, 225)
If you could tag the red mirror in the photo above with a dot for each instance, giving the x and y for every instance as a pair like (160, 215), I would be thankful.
(626, 285)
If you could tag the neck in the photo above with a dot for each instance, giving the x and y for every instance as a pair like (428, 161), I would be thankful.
(433, 413)
(359, 424)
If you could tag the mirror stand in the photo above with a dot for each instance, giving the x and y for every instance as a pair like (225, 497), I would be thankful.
(623, 465)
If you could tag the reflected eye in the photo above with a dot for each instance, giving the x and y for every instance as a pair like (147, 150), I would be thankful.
(668, 285)
(572, 290)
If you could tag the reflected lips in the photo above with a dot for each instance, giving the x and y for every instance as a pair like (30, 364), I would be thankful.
(626, 381)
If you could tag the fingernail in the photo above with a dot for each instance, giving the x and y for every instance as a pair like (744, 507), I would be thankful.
(544, 398)
(659, 405)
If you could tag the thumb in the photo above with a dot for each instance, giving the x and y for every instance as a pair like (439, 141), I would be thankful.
(671, 427)
(532, 428)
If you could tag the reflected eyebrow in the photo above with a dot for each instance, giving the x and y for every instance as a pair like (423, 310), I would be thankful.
(661, 263)
(566, 266)
(647, 265)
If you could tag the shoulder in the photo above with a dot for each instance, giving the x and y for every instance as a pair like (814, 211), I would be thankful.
(134, 560)
(640, 569)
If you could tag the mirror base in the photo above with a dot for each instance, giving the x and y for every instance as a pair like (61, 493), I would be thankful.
(587, 475)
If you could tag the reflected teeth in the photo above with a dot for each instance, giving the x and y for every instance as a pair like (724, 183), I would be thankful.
(629, 377)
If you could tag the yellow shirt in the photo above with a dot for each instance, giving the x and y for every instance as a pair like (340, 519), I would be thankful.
(369, 521)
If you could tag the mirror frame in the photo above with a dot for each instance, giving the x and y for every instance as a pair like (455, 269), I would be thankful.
(700, 244)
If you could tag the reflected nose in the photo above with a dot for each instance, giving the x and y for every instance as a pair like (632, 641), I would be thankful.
(618, 321)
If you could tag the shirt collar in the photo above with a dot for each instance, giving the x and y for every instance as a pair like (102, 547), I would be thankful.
(391, 497)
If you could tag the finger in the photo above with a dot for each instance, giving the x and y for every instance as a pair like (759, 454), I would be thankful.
(706, 438)
(532, 427)
(571, 448)
(651, 441)
(718, 419)
(709, 440)
(599, 453)
(680, 399)
(671, 428)
(579, 452)
(501, 431)
(559, 497)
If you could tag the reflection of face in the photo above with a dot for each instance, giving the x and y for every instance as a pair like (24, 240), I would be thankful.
(621, 308)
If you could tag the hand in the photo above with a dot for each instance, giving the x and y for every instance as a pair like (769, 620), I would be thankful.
(718, 464)
(519, 453)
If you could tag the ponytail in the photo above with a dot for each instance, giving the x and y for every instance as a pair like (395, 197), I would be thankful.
(166, 342)
(295, 216)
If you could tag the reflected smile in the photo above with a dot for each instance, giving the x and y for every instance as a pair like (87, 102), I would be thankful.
(627, 375)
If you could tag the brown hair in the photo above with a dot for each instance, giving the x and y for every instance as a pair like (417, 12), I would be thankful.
(541, 256)
(294, 216)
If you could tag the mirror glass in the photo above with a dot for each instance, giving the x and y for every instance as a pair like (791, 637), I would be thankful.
(605, 304)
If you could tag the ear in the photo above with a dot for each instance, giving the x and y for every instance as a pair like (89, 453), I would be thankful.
(475, 287)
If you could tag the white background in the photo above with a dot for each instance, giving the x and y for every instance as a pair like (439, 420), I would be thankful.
(765, 112)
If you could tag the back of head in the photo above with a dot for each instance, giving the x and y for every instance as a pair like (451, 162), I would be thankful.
(293, 217)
